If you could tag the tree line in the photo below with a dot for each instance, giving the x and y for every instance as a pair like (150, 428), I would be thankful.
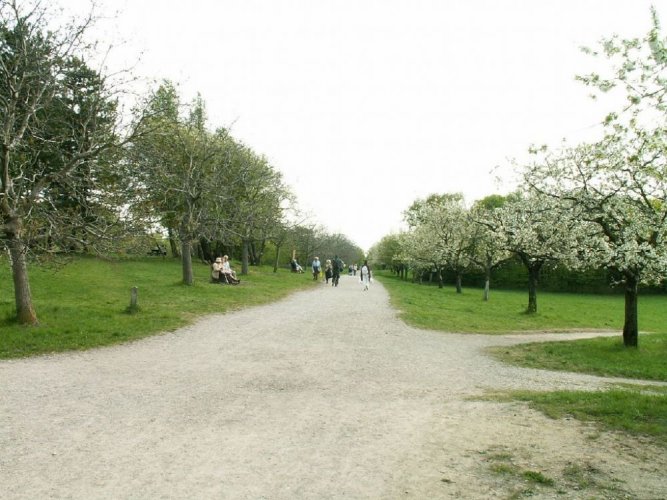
(78, 173)
(600, 204)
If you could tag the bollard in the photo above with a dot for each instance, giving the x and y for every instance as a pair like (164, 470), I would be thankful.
(134, 298)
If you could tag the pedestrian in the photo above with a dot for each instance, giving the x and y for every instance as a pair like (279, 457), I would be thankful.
(366, 275)
(317, 266)
(328, 270)
(337, 267)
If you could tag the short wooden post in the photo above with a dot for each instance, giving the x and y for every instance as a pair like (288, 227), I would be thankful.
(134, 297)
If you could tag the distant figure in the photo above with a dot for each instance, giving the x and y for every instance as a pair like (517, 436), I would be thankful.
(337, 267)
(317, 266)
(296, 267)
(365, 275)
(328, 270)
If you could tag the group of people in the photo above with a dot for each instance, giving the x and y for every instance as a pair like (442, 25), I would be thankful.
(221, 272)
(333, 268)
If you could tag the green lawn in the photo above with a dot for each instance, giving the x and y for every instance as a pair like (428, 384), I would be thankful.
(427, 306)
(600, 356)
(84, 304)
(635, 409)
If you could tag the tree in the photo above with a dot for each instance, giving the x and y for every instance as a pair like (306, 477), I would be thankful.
(619, 183)
(539, 232)
(331, 244)
(619, 187)
(259, 200)
(420, 249)
(179, 169)
(88, 196)
(57, 121)
(486, 251)
(440, 234)
(386, 254)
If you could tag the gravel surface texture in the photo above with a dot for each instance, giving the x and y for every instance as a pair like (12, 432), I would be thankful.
(325, 394)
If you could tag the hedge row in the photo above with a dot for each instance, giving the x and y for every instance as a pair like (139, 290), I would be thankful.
(513, 275)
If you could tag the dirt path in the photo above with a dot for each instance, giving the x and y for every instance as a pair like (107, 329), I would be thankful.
(323, 395)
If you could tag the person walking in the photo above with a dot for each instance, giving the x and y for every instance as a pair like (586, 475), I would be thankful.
(328, 270)
(365, 275)
(317, 266)
(337, 268)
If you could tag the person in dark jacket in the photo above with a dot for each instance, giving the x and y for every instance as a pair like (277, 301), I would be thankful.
(337, 267)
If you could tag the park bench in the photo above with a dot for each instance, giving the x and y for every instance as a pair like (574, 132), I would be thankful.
(158, 251)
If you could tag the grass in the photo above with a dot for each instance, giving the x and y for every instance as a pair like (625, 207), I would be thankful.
(86, 303)
(445, 310)
(427, 306)
(520, 480)
(633, 409)
(600, 356)
(504, 465)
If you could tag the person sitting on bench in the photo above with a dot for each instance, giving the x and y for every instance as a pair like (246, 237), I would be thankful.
(227, 273)
(216, 271)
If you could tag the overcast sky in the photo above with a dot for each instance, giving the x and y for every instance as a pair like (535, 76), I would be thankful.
(365, 106)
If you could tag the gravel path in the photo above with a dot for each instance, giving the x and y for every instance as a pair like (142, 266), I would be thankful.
(325, 394)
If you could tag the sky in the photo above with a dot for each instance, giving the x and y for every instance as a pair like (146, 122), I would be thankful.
(368, 105)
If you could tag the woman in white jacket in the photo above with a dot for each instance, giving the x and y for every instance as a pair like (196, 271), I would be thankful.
(366, 275)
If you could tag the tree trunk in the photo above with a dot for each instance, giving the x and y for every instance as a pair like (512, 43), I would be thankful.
(631, 326)
(206, 250)
(25, 311)
(244, 257)
(172, 243)
(277, 261)
(252, 254)
(459, 288)
(186, 259)
(533, 276)
(200, 251)
(256, 253)
(487, 283)
(441, 283)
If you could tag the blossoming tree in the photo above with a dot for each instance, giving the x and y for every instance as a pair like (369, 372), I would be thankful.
(619, 183)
